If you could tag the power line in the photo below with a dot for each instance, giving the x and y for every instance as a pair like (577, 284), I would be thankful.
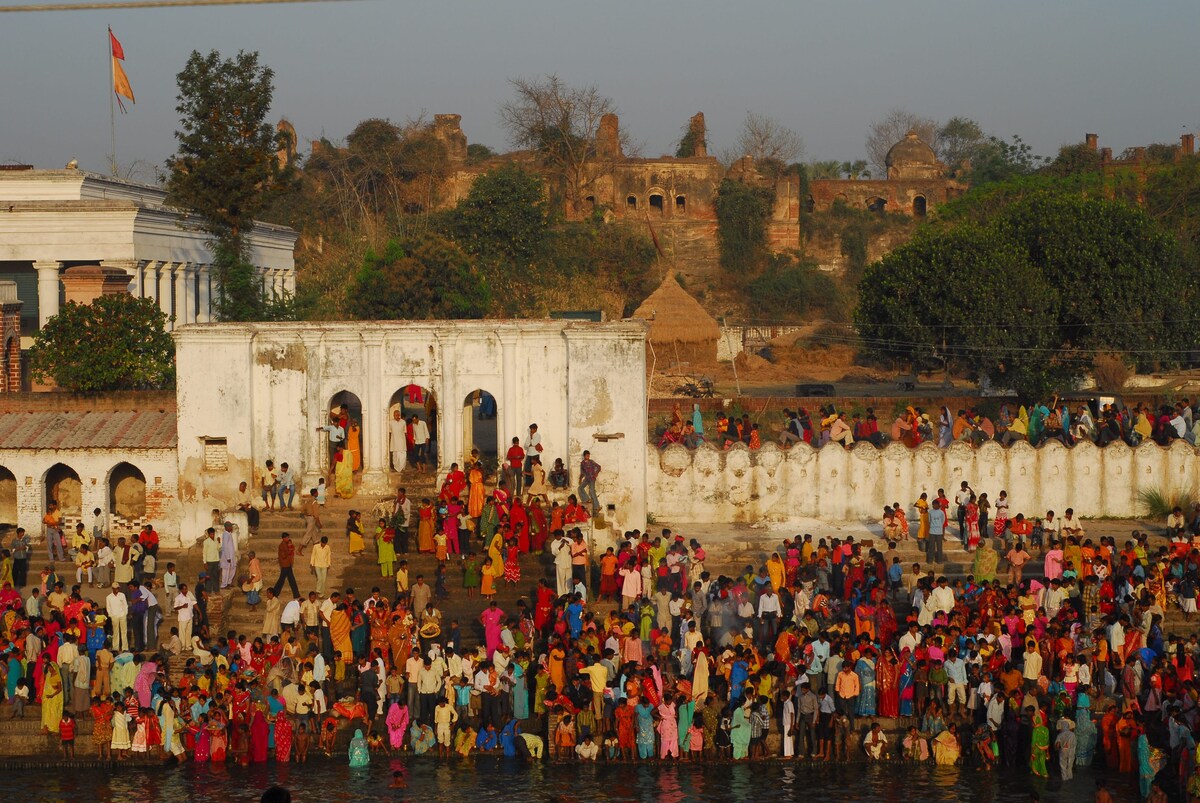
(116, 4)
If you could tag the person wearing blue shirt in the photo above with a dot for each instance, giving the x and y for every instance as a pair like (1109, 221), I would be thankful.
(937, 533)
(575, 618)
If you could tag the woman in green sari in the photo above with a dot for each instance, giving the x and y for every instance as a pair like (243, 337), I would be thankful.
(1039, 749)
(360, 753)
(986, 560)
(739, 732)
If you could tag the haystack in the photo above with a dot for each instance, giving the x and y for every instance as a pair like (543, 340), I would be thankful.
(680, 329)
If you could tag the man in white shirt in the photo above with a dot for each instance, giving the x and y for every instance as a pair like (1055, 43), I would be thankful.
(420, 432)
(117, 608)
(185, 604)
(152, 618)
(942, 598)
(533, 448)
(768, 614)
(562, 564)
(291, 614)
(911, 640)
(337, 436)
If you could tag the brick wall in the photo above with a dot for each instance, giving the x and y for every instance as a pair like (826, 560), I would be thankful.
(71, 402)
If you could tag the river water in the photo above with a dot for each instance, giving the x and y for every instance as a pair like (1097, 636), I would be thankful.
(497, 779)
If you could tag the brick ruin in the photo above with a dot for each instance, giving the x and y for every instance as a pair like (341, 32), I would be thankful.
(674, 196)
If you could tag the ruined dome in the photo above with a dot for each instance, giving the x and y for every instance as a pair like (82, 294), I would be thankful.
(910, 151)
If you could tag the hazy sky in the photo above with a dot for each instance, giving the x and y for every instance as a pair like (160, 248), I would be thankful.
(1047, 71)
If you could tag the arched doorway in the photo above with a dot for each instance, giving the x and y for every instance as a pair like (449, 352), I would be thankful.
(415, 401)
(349, 407)
(8, 497)
(656, 202)
(919, 206)
(64, 489)
(631, 203)
(127, 494)
(877, 205)
(481, 428)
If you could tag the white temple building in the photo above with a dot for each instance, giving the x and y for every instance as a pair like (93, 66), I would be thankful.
(55, 220)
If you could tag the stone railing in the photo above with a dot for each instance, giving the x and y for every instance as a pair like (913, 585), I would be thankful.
(839, 484)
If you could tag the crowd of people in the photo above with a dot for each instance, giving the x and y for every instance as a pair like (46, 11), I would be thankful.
(639, 653)
(1037, 423)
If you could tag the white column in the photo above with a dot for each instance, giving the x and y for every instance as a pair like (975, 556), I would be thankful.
(47, 272)
(163, 291)
(205, 314)
(289, 281)
(181, 293)
(449, 420)
(508, 404)
(131, 267)
(375, 456)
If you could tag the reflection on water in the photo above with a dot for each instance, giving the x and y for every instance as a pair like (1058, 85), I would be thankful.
(497, 779)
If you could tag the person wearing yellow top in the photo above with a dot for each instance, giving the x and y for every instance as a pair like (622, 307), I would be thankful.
(922, 506)
(53, 522)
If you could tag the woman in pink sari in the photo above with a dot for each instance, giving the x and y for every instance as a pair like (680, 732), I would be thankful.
(491, 618)
(397, 725)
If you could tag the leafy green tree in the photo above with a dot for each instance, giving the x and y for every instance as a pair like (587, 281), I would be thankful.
(117, 342)
(856, 169)
(593, 254)
(1029, 289)
(788, 289)
(503, 217)
(958, 141)
(742, 212)
(1073, 160)
(1000, 160)
(825, 170)
(1172, 197)
(426, 277)
(226, 167)
(947, 295)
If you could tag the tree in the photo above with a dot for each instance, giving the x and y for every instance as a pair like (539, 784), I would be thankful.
(742, 212)
(765, 139)
(996, 160)
(1028, 292)
(958, 141)
(117, 342)
(425, 278)
(503, 217)
(226, 166)
(855, 170)
(964, 322)
(886, 132)
(561, 124)
(825, 170)
(1073, 160)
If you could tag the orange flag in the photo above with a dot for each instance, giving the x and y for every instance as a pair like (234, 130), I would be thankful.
(120, 80)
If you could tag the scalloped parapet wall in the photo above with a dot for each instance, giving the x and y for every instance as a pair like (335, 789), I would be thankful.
(839, 484)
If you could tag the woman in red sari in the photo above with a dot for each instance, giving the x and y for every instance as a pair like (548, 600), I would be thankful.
(518, 519)
(887, 681)
(283, 737)
(259, 735)
(543, 605)
(885, 623)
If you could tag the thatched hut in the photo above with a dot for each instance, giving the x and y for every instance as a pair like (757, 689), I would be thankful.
(680, 329)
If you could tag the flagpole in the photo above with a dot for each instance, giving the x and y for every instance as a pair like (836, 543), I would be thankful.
(112, 111)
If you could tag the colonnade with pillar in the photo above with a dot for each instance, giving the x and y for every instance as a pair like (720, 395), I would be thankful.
(185, 291)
